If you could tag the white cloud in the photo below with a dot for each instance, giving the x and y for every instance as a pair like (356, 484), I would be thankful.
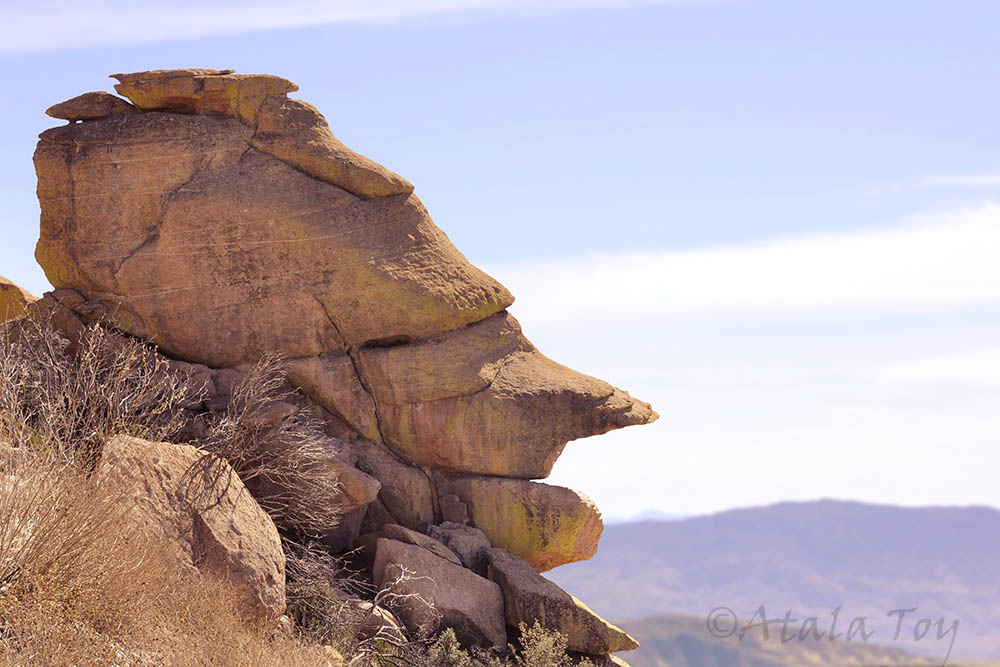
(932, 261)
(937, 182)
(59, 24)
(977, 368)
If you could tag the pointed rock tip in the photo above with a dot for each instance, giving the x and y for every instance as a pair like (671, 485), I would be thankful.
(90, 106)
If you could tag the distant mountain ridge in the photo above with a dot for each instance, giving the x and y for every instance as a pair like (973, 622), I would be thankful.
(683, 641)
(809, 558)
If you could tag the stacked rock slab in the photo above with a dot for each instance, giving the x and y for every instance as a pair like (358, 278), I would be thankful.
(222, 220)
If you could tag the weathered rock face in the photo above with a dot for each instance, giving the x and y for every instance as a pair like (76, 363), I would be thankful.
(530, 597)
(392, 531)
(224, 221)
(13, 300)
(470, 604)
(471, 544)
(209, 523)
(495, 382)
(546, 525)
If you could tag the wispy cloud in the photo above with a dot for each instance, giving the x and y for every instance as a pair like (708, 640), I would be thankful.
(977, 368)
(937, 182)
(60, 24)
(932, 261)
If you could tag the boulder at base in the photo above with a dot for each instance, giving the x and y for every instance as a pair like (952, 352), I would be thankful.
(440, 594)
(530, 597)
(205, 521)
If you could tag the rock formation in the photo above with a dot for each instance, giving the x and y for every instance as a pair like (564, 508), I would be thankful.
(206, 522)
(13, 300)
(222, 220)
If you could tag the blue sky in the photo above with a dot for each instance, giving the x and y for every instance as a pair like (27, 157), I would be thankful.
(777, 221)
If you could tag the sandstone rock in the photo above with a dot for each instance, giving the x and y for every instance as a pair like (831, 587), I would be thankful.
(392, 531)
(482, 399)
(221, 253)
(469, 543)
(295, 132)
(453, 509)
(405, 495)
(470, 604)
(545, 525)
(219, 92)
(239, 231)
(90, 106)
(207, 522)
(13, 300)
(530, 597)
(332, 381)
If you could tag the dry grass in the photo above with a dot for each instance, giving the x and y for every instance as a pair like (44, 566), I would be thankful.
(77, 588)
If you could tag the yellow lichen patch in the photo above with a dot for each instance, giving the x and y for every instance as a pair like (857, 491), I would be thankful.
(545, 525)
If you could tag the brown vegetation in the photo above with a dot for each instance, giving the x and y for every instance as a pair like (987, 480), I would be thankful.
(78, 584)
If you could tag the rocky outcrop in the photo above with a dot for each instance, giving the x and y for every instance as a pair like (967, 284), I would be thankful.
(530, 597)
(223, 221)
(242, 227)
(434, 592)
(202, 516)
(13, 300)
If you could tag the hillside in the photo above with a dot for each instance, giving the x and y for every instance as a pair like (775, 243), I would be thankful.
(810, 558)
(683, 641)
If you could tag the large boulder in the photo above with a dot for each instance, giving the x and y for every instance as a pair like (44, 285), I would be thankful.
(224, 221)
(471, 544)
(530, 597)
(546, 525)
(13, 300)
(440, 594)
(202, 516)
(391, 531)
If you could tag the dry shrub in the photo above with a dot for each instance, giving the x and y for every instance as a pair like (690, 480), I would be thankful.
(70, 398)
(284, 459)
